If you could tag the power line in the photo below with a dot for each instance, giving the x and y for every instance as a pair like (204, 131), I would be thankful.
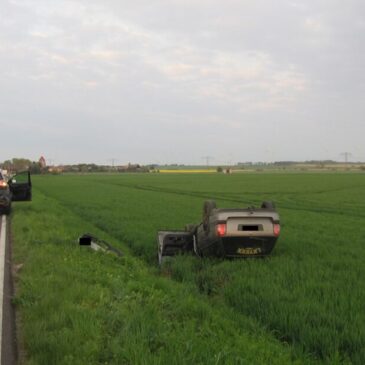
(113, 160)
(346, 156)
(208, 159)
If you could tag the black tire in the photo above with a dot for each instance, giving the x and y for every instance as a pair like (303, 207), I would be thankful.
(208, 207)
(7, 210)
(268, 205)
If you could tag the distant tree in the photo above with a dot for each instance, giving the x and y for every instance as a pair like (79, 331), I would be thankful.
(83, 168)
(17, 164)
(219, 169)
(7, 165)
(21, 164)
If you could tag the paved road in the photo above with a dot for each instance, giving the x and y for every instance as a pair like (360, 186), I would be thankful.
(7, 314)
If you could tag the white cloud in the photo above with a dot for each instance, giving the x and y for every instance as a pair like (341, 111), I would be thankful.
(314, 23)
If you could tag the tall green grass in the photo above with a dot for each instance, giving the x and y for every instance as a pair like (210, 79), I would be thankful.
(82, 307)
(309, 294)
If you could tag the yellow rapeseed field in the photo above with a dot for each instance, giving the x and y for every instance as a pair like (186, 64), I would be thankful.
(191, 171)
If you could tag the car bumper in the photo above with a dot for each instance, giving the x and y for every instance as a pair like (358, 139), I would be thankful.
(240, 247)
(5, 200)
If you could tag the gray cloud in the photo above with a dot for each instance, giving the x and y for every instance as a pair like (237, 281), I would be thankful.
(168, 81)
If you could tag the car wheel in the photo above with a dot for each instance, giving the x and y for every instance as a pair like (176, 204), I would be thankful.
(208, 207)
(268, 205)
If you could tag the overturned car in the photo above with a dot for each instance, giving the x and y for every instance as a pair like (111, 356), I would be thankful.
(249, 232)
(17, 188)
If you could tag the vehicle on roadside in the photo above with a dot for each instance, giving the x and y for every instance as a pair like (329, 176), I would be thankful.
(17, 188)
(231, 233)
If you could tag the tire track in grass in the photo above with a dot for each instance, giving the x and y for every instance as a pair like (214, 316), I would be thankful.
(319, 210)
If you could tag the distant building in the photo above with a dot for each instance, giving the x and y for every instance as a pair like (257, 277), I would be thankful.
(56, 169)
(132, 168)
(42, 162)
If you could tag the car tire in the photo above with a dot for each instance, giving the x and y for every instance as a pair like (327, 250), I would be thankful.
(268, 205)
(7, 210)
(208, 207)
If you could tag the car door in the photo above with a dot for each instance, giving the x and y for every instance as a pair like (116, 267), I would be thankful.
(21, 186)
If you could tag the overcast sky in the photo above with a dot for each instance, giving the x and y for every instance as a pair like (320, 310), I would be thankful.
(168, 81)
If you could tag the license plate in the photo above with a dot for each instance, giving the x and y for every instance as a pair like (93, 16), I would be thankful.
(249, 251)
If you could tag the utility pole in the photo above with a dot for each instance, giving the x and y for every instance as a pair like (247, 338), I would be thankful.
(208, 159)
(113, 160)
(346, 156)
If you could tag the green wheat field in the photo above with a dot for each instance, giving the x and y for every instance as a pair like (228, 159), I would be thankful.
(305, 304)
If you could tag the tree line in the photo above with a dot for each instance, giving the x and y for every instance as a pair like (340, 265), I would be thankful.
(21, 164)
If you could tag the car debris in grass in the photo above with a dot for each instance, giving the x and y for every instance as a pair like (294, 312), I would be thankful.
(97, 244)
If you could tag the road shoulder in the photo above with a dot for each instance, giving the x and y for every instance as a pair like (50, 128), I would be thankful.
(8, 338)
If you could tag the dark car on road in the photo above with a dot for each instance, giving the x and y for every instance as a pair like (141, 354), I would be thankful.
(17, 188)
